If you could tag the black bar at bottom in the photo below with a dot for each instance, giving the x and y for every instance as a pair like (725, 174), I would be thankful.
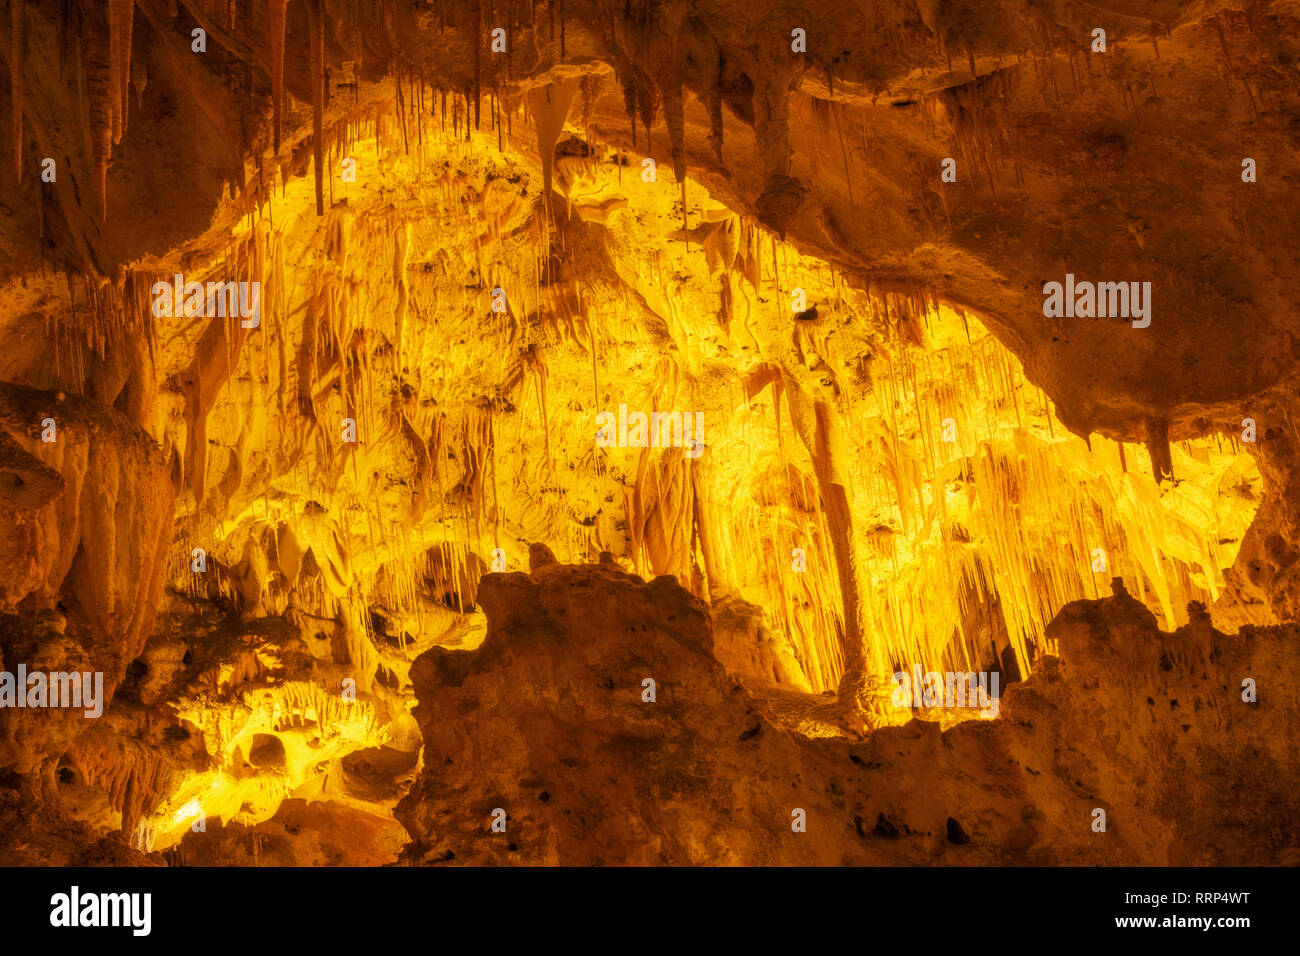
(621, 907)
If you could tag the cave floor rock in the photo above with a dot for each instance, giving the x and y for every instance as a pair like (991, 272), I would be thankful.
(548, 721)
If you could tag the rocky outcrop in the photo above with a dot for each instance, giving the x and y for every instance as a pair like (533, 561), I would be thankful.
(220, 722)
(85, 523)
(552, 722)
(746, 645)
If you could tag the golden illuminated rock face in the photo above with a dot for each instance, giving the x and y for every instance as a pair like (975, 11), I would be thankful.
(384, 400)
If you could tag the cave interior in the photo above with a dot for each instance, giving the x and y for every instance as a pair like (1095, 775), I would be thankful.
(649, 432)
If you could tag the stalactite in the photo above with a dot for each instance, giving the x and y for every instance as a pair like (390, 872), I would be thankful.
(674, 117)
(549, 106)
(478, 58)
(647, 105)
(100, 91)
(277, 15)
(1157, 441)
(121, 18)
(629, 102)
(419, 116)
(316, 27)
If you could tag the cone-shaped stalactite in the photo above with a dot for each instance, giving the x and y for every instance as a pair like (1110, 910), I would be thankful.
(549, 106)
(121, 19)
(670, 87)
(782, 194)
(277, 11)
(478, 59)
(128, 39)
(1162, 462)
(101, 92)
(316, 27)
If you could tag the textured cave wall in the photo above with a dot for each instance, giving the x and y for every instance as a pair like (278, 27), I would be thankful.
(87, 522)
(548, 721)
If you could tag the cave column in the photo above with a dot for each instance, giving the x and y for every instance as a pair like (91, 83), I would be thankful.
(862, 657)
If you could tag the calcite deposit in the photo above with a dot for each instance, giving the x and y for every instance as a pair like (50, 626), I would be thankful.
(553, 433)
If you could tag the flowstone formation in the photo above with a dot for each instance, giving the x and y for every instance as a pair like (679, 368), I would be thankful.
(389, 390)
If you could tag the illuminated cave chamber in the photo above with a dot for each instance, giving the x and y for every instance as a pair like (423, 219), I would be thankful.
(877, 456)
(971, 514)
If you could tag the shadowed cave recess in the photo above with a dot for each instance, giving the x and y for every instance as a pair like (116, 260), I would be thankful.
(636, 432)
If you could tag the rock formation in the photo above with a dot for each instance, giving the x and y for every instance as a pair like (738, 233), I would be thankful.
(388, 390)
(549, 719)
